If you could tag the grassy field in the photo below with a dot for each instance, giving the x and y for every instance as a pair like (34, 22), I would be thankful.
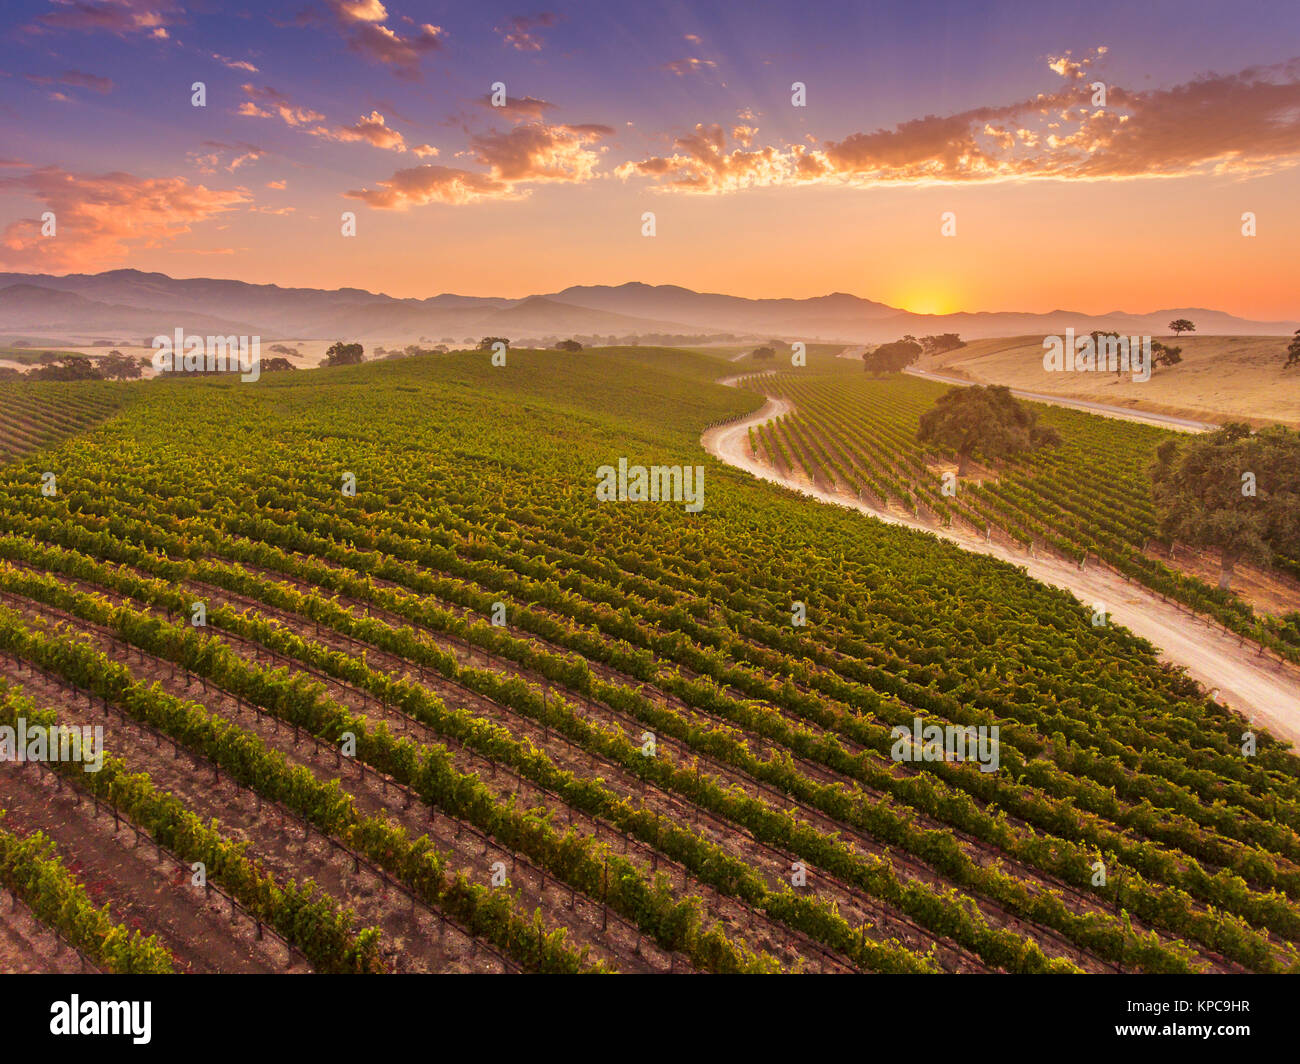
(1221, 378)
(646, 766)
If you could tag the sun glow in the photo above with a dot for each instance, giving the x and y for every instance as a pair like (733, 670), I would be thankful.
(927, 303)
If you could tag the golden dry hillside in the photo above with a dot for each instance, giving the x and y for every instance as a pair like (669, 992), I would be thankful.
(1220, 377)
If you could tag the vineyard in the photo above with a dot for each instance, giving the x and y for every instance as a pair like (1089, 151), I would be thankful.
(36, 413)
(384, 688)
(1090, 497)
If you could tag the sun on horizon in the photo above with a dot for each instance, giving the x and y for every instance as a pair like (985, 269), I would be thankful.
(928, 303)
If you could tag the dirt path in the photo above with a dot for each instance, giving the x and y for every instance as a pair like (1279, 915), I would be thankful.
(1164, 421)
(27, 946)
(1262, 689)
(142, 890)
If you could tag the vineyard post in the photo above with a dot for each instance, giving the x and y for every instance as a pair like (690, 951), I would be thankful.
(1119, 964)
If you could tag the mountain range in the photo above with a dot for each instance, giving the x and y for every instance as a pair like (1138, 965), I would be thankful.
(130, 305)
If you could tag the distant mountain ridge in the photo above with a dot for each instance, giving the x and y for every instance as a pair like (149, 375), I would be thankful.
(131, 303)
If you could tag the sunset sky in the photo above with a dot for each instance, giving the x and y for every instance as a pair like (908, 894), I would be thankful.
(316, 107)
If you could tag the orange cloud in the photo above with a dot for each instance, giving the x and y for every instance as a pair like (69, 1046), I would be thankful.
(1247, 122)
(118, 17)
(682, 67)
(518, 108)
(519, 31)
(102, 217)
(208, 162)
(362, 11)
(1068, 67)
(267, 102)
(523, 155)
(538, 152)
(74, 78)
(235, 64)
(363, 23)
(701, 163)
(432, 184)
(371, 128)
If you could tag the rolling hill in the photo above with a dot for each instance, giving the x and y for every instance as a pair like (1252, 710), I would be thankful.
(1240, 377)
(80, 306)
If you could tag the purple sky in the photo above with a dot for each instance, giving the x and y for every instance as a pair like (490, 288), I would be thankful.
(912, 110)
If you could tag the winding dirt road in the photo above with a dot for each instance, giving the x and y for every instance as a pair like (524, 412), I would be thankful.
(1264, 690)
(1122, 413)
